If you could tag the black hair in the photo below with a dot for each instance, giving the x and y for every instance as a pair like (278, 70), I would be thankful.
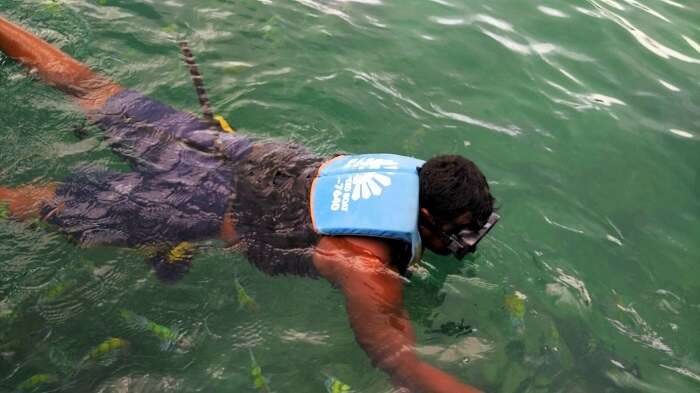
(451, 185)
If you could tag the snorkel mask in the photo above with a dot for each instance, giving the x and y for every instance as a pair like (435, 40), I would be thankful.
(465, 241)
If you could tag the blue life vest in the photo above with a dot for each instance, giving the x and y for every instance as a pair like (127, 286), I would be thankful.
(368, 195)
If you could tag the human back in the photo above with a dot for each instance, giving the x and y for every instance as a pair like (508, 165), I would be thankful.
(275, 196)
(269, 212)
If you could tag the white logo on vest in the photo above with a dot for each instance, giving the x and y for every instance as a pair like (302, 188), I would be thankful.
(363, 185)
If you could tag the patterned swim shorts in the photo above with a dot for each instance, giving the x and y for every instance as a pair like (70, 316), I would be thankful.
(179, 188)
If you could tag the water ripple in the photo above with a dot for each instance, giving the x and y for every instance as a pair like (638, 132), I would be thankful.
(613, 4)
(692, 43)
(673, 3)
(682, 133)
(669, 86)
(370, 2)
(512, 130)
(143, 383)
(529, 48)
(443, 2)
(447, 21)
(308, 337)
(495, 22)
(639, 330)
(483, 18)
(383, 83)
(682, 371)
(646, 9)
(625, 379)
(564, 286)
(552, 12)
(583, 101)
(328, 10)
(644, 39)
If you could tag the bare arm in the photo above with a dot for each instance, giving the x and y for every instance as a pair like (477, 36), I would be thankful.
(374, 301)
(89, 89)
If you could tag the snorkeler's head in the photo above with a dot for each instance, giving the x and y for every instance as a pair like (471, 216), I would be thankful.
(454, 196)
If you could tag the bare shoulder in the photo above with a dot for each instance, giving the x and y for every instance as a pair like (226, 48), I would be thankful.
(336, 254)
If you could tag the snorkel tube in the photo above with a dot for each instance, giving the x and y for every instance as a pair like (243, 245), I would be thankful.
(198, 82)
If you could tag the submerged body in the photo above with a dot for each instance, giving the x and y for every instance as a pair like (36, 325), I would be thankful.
(190, 182)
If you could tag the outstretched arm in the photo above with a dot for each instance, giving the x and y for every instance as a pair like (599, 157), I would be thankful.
(55, 67)
(375, 306)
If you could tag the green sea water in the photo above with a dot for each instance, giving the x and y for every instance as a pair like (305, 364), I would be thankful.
(584, 115)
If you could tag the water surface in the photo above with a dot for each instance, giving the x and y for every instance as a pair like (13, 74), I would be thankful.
(582, 114)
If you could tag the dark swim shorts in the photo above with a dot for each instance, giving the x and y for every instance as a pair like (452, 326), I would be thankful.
(179, 189)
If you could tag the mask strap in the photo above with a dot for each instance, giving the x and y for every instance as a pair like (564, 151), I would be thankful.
(445, 238)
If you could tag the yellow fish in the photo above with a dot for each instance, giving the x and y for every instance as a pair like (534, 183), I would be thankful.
(334, 385)
(52, 6)
(108, 346)
(244, 300)
(36, 380)
(515, 305)
(259, 381)
(58, 289)
(164, 333)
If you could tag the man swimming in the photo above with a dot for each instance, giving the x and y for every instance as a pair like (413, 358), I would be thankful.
(357, 221)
